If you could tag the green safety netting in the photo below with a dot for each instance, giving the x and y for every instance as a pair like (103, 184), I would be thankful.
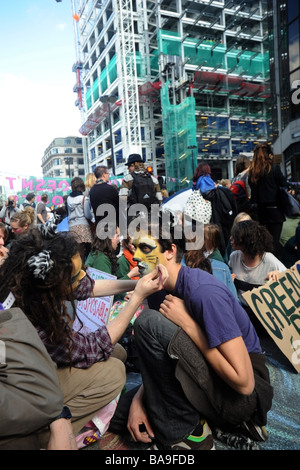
(213, 54)
(180, 144)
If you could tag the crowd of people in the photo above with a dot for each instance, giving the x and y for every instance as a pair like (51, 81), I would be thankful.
(197, 341)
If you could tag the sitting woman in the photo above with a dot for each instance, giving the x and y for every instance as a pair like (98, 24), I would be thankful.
(211, 253)
(23, 221)
(42, 275)
(103, 256)
(252, 262)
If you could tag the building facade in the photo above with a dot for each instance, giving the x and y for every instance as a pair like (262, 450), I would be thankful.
(176, 81)
(64, 158)
(284, 30)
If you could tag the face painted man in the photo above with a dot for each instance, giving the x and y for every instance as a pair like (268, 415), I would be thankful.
(148, 253)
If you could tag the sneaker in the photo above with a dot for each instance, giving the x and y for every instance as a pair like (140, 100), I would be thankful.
(203, 442)
(257, 433)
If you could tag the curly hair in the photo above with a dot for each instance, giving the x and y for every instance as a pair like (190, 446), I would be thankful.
(42, 300)
(253, 238)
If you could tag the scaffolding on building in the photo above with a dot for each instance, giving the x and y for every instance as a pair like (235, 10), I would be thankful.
(180, 75)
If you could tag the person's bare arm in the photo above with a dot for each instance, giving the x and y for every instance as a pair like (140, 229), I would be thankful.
(104, 287)
(145, 286)
(230, 359)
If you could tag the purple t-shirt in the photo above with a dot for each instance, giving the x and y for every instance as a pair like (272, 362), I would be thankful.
(215, 309)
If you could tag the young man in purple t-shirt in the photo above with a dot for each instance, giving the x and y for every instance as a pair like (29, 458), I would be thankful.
(200, 359)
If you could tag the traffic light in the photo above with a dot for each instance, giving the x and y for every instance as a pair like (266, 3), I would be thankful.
(149, 169)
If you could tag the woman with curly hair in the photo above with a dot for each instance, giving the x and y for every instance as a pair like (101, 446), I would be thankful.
(252, 262)
(44, 274)
(265, 179)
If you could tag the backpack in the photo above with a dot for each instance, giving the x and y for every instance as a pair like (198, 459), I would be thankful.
(238, 188)
(142, 191)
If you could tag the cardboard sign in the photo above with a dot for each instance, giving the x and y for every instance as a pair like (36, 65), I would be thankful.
(277, 306)
(94, 311)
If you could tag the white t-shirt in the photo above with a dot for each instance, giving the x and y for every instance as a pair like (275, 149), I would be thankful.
(256, 275)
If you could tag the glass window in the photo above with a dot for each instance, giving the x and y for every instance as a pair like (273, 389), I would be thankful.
(68, 150)
(293, 10)
(57, 161)
(67, 141)
(294, 49)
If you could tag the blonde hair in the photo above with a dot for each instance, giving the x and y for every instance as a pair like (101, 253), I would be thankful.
(90, 180)
(25, 217)
(241, 216)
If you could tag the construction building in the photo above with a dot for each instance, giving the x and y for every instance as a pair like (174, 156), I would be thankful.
(178, 81)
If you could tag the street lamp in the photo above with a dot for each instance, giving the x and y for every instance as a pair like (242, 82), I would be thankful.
(110, 99)
(68, 161)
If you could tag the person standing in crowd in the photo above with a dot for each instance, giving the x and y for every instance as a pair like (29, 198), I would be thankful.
(265, 179)
(90, 180)
(45, 276)
(9, 209)
(29, 200)
(79, 214)
(139, 186)
(223, 204)
(200, 358)
(41, 209)
(241, 170)
(104, 197)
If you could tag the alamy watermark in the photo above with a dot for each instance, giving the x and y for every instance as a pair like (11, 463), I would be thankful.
(153, 221)
(296, 92)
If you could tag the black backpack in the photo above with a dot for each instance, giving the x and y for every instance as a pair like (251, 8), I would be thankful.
(142, 191)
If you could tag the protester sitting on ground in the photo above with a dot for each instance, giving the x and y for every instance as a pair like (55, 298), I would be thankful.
(200, 358)
(43, 274)
(252, 261)
(103, 256)
(126, 262)
(288, 252)
(3, 238)
(79, 214)
(210, 251)
(241, 216)
(30, 394)
(22, 221)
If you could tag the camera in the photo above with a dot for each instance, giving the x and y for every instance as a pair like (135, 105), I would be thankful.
(10, 203)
